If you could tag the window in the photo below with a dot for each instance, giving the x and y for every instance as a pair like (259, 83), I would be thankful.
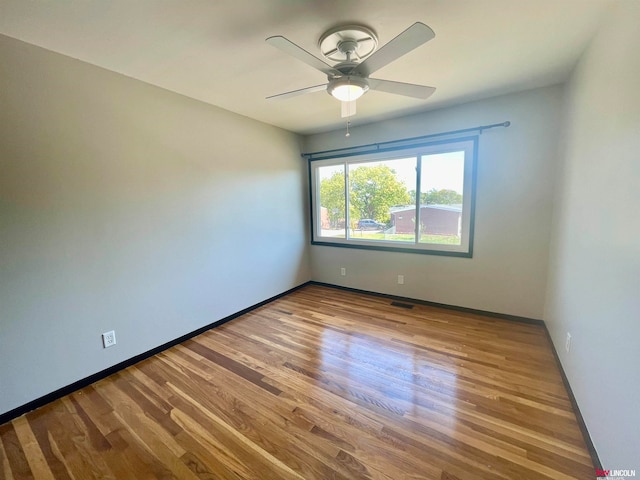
(416, 199)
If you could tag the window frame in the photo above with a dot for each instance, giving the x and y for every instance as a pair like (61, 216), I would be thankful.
(465, 249)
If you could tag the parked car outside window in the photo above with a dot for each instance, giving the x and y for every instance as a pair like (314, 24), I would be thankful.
(369, 224)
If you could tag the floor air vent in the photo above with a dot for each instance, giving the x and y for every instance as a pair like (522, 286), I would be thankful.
(402, 305)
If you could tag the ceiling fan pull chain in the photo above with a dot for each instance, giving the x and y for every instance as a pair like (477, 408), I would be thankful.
(348, 123)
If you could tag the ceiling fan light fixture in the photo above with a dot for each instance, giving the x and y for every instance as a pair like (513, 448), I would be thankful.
(347, 89)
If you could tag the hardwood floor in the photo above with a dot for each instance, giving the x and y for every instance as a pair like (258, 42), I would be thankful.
(320, 384)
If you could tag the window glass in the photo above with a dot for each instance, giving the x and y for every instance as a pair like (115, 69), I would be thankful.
(331, 199)
(415, 199)
(376, 191)
(441, 198)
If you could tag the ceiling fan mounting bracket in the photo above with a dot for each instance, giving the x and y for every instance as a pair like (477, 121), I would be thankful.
(347, 43)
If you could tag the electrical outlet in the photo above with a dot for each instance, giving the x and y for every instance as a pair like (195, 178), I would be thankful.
(567, 343)
(109, 339)
(400, 279)
(343, 272)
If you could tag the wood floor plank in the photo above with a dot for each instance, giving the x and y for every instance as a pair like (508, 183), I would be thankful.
(320, 384)
(16, 456)
(5, 469)
(33, 454)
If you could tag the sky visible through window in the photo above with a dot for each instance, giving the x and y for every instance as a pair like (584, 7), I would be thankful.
(442, 171)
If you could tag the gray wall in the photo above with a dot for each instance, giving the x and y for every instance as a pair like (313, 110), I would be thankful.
(516, 166)
(127, 207)
(594, 269)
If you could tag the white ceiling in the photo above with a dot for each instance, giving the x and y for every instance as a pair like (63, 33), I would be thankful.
(214, 50)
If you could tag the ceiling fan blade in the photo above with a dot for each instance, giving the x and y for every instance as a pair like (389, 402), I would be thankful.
(295, 93)
(399, 88)
(348, 109)
(414, 36)
(287, 46)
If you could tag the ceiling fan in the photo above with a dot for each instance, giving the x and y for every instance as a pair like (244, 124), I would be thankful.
(354, 47)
